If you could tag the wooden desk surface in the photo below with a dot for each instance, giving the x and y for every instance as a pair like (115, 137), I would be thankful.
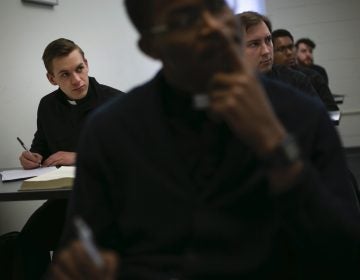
(9, 191)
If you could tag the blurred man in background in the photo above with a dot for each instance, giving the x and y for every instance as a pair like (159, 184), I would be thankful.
(305, 56)
(284, 54)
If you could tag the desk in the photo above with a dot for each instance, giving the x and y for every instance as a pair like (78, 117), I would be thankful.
(9, 191)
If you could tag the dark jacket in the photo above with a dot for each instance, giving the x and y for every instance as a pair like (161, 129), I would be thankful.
(292, 77)
(59, 123)
(320, 86)
(140, 193)
(321, 70)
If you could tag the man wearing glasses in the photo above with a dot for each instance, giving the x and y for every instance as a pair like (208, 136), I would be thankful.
(204, 172)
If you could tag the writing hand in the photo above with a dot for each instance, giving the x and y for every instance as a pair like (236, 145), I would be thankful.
(60, 158)
(30, 160)
(73, 262)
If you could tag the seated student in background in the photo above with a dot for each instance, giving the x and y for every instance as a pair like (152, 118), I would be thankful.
(259, 52)
(251, 185)
(61, 114)
(305, 57)
(60, 118)
(284, 54)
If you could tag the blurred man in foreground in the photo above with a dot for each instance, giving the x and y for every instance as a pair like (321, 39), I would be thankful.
(205, 172)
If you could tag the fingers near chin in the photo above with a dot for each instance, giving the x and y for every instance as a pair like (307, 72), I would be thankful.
(56, 273)
(63, 266)
(111, 261)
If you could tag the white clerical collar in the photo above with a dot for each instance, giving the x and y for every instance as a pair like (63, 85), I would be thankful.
(72, 102)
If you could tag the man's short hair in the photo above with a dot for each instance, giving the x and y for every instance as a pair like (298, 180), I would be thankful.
(58, 48)
(250, 18)
(140, 13)
(281, 33)
(305, 41)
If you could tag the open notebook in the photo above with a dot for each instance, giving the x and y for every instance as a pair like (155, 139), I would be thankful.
(61, 178)
(21, 174)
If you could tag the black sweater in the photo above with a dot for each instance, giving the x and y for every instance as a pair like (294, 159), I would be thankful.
(171, 214)
(59, 123)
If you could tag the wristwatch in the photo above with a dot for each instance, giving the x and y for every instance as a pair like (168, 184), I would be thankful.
(285, 154)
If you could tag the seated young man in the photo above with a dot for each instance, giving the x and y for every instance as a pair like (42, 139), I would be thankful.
(60, 118)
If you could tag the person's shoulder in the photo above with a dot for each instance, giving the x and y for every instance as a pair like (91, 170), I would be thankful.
(317, 67)
(284, 71)
(49, 98)
(104, 89)
(297, 111)
(308, 71)
(287, 97)
(142, 97)
(128, 105)
(321, 70)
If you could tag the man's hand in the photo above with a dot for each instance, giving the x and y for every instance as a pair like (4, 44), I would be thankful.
(60, 158)
(73, 262)
(237, 97)
(240, 100)
(30, 160)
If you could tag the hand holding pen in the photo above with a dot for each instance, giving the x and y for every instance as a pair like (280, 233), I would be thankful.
(86, 237)
(28, 159)
(82, 260)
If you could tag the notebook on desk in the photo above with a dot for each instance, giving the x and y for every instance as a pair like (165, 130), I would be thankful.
(20, 174)
(61, 178)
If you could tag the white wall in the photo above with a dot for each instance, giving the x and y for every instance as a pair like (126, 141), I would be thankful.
(248, 5)
(334, 26)
(101, 28)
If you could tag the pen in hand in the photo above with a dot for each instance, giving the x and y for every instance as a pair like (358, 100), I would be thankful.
(85, 235)
(25, 148)
(22, 144)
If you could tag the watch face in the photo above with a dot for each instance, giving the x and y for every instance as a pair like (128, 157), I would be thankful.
(285, 154)
(291, 149)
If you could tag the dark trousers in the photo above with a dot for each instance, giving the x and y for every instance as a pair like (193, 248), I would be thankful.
(40, 235)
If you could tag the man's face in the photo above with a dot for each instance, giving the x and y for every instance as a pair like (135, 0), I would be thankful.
(258, 47)
(200, 41)
(70, 73)
(304, 54)
(284, 51)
